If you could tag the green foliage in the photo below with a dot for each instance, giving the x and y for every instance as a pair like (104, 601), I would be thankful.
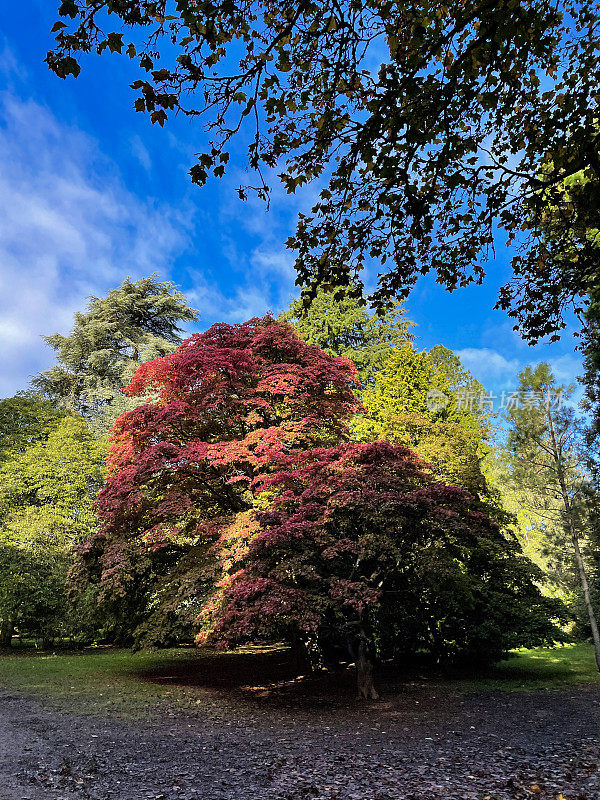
(25, 419)
(136, 322)
(461, 382)
(63, 473)
(543, 469)
(416, 400)
(342, 326)
(544, 434)
(46, 497)
(560, 266)
(401, 387)
(591, 351)
(33, 572)
(538, 544)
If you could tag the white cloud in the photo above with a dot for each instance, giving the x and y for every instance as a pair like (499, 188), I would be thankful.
(566, 368)
(256, 274)
(489, 365)
(266, 284)
(141, 153)
(68, 228)
(499, 373)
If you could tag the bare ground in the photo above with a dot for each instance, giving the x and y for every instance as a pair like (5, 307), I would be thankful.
(423, 743)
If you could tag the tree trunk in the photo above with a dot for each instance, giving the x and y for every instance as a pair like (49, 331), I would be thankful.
(572, 528)
(586, 597)
(300, 657)
(364, 673)
(7, 631)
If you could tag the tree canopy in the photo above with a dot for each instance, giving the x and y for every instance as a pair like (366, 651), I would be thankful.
(416, 401)
(362, 549)
(342, 326)
(425, 125)
(25, 420)
(548, 466)
(569, 252)
(135, 322)
(181, 465)
(46, 507)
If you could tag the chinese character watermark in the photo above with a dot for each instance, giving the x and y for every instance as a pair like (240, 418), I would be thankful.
(483, 401)
(472, 402)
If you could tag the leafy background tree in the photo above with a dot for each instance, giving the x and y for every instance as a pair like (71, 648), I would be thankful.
(135, 322)
(413, 402)
(343, 326)
(25, 420)
(547, 459)
(46, 498)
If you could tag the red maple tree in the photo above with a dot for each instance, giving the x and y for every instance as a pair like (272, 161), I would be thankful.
(362, 550)
(219, 411)
(236, 505)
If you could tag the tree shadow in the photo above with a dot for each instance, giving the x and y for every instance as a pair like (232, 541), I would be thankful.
(270, 675)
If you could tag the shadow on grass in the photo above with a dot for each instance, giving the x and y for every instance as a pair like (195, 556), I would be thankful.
(271, 672)
(109, 681)
(256, 672)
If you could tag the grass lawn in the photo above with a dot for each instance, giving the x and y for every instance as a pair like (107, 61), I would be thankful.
(539, 669)
(112, 681)
(99, 680)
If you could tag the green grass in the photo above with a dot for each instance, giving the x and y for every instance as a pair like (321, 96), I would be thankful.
(538, 669)
(110, 681)
(101, 681)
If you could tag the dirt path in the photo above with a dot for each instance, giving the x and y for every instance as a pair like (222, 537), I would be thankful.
(496, 746)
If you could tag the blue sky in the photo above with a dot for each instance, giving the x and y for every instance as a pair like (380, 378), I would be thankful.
(90, 193)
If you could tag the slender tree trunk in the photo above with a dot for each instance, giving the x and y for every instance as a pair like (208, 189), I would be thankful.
(572, 528)
(7, 631)
(364, 672)
(586, 595)
(300, 656)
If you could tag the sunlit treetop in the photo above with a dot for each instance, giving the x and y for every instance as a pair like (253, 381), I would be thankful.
(342, 326)
(255, 384)
(135, 322)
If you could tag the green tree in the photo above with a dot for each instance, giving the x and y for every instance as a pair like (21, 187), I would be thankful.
(562, 254)
(136, 322)
(46, 498)
(547, 459)
(25, 419)
(418, 403)
(569, 251)
(343, 326)
(426, 122)
(34, 561)
(460, 380)
(543, 540)
(591, 352)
